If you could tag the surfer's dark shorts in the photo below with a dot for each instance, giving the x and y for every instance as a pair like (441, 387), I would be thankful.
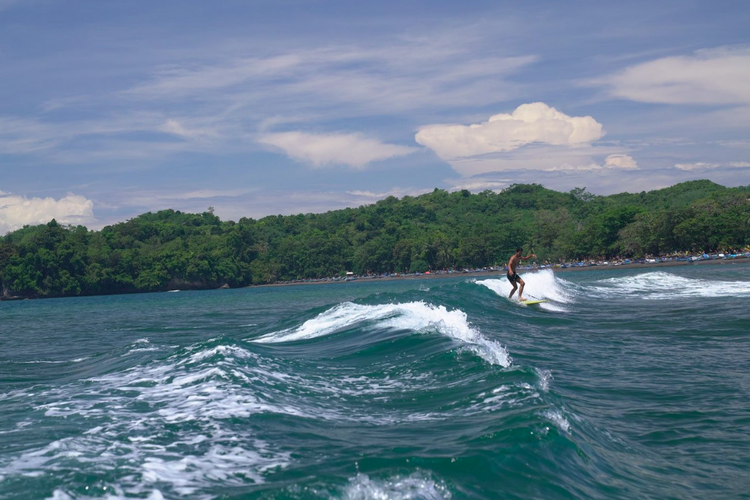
(513, 278)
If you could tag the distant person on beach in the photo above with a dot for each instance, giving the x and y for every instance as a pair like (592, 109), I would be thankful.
(515, 278)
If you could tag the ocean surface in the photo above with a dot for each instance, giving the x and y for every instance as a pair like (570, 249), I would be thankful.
(626, 384)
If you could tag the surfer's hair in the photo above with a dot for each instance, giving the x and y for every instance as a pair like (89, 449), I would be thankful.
(519, 249)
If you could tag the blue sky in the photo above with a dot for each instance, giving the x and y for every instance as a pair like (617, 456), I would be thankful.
(111, 109)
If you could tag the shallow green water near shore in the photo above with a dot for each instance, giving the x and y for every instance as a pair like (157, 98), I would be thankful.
(627, 384)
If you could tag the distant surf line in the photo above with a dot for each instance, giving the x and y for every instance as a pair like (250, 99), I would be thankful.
(501, 272)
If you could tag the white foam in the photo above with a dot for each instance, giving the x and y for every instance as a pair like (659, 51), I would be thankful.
(414, 316)
(17, 394)
(51, 362)
(141, 345)
(500, 398)
(544, 378)
(223, 350)
(412, 487)
(145, 349)
(115, 494)
(210, 387)
(59, 495)
(19, 427)
(557, 418)
(213, 387)
(180, 389)
(219, 463)
(541, 285)
(662, 285)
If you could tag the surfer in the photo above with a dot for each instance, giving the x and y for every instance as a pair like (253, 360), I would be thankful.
(515, 278)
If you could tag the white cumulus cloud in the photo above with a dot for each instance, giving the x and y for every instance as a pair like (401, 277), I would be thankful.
(620, 161)
(320, 150)
(529, 123)
(18, 211)
(717, 76)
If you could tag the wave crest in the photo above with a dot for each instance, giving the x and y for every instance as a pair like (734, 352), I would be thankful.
(414, 316)
(540, 285)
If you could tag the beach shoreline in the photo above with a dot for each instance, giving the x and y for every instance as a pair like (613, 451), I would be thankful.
(482, 274)
(501, 272)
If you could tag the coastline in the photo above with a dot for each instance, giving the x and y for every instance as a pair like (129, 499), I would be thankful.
(500, 272)
(483, 273)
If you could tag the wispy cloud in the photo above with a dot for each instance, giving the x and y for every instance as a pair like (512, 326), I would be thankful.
(539, 159)
(320, 150)
(235, 204)
(143, 135)
(163, 199)
(476, 185)
(8, 4)
(179, 128)
(372, 197)
(393, 77)
(709, 76)
(704, 166)
(212, 105)
(203, 108)
(180, 82)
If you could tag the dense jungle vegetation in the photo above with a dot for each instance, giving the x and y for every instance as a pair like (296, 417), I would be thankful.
(439, 230)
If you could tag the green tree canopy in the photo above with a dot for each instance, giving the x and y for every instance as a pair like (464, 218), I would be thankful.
(438, 230)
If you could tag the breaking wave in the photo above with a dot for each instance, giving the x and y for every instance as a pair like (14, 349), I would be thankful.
(413, 316)
(181, 424)
(663, 286)
(542, 285)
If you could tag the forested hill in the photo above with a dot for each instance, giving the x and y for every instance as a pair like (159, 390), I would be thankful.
(439, 230)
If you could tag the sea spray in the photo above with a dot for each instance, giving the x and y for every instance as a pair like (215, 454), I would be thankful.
(542, 285)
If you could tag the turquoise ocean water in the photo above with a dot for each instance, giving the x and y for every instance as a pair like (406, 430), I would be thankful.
(627, 384)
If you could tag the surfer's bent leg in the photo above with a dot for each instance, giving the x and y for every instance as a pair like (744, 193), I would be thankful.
(512, 279)
(520, 292)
